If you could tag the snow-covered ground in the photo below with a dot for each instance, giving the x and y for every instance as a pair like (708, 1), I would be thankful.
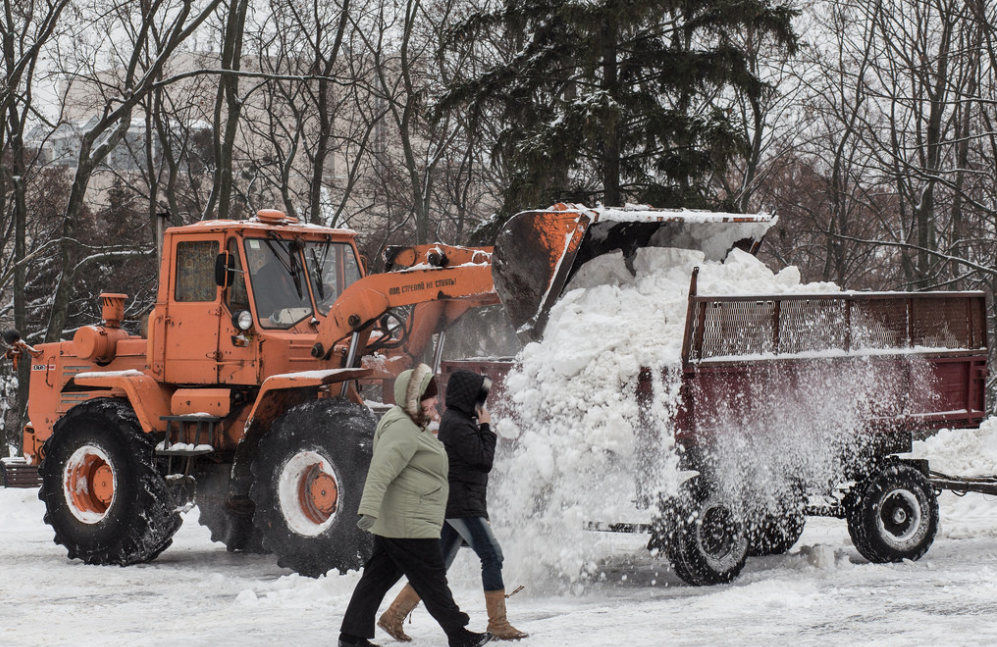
(821, 593)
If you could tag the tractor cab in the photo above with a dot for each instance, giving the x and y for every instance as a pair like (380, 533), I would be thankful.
(242, 300)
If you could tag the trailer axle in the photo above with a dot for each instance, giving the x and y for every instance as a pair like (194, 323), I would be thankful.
(961, 485)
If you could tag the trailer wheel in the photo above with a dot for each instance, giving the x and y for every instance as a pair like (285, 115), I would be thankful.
(775, 534)
(709, 544)
(103, 494)
(308, 476)
(892, 514)
(228, 525)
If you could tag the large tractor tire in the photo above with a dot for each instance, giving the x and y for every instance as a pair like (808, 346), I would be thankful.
(308, 477)
(103, 494)
(229, 524)
(709, 543)
(892, 514)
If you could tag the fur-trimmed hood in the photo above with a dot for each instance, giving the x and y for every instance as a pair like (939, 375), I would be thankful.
(409, 387)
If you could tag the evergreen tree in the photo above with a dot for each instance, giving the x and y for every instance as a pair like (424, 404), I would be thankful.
(614, 100)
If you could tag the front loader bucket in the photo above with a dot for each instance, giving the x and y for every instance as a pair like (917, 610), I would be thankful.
(537, 252)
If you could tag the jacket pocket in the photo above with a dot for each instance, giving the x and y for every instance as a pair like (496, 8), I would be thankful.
(431, 497)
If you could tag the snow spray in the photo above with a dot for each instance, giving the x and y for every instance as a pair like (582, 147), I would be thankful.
(576, 450)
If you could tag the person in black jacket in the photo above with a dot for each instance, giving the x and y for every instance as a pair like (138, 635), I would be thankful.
(466, 433)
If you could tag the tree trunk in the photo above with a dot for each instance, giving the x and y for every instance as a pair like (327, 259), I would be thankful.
(611, 142)
(229, 102)
(326, 121)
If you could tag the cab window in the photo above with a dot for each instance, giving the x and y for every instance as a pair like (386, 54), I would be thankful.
(236, 297)
(332, 268)
(278, 282)
(195, 271)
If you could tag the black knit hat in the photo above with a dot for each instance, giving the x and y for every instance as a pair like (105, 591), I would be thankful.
(431, 390)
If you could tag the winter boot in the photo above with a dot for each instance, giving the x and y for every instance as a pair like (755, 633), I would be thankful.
(346, 640)
(465, 638)
(393, 620)
(498, 625)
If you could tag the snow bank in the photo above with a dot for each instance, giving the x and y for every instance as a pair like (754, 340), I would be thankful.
(968, 453)
(962, 452)
(576, 451)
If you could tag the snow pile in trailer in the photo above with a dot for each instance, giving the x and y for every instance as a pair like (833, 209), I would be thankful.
(575, 405)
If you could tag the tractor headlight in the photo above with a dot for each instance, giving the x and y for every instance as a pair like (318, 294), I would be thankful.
(242, 320)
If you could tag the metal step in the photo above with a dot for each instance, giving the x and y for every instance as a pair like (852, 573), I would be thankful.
(204, 425)
(183, 449)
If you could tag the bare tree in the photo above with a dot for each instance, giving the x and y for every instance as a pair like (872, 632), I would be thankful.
(25, 30)
(136, 65)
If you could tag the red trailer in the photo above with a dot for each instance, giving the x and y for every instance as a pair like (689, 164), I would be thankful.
(870, 371)
(766, 381)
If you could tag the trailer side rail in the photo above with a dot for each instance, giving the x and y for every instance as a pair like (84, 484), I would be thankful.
(846, 323)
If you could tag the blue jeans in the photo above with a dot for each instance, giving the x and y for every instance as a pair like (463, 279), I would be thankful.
(477, 532)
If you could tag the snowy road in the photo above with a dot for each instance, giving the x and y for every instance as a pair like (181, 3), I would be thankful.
(822, 593)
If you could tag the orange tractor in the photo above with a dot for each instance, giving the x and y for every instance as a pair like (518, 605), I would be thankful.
(252, 394)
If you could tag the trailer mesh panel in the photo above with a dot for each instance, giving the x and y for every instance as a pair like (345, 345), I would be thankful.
(851, 323)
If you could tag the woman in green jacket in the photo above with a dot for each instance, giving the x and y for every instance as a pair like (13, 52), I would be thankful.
(403, 504)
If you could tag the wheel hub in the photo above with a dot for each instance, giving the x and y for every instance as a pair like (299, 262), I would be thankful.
(900, 515)
(103, 484)
(89, 484)
(319, 494)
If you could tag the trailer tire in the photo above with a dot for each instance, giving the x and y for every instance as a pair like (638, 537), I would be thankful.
(103, 494)
(774, 530)
(892, 514)
(775, 534)
(308, 476)
(709, 544)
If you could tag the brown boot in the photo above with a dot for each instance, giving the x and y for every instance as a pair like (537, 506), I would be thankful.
(498, 625)
(393, 619)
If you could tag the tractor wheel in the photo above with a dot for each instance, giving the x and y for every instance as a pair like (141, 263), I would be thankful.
(892, 514)
(103, 494)
(308, 476)
(229, 524)
(709, 545)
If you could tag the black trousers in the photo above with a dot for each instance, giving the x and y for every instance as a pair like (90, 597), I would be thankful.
(421, 562)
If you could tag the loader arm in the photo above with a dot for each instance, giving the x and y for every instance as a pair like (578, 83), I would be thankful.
(417, 275)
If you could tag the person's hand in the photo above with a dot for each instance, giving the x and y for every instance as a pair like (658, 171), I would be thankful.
(484, 417)
(366, 522)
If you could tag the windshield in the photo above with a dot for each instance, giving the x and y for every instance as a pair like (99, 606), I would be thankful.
(332, 268)
(278, 282)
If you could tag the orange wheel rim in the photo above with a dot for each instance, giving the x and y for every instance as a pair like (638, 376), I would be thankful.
(308, 492)
(89, 484)
(318, 494)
